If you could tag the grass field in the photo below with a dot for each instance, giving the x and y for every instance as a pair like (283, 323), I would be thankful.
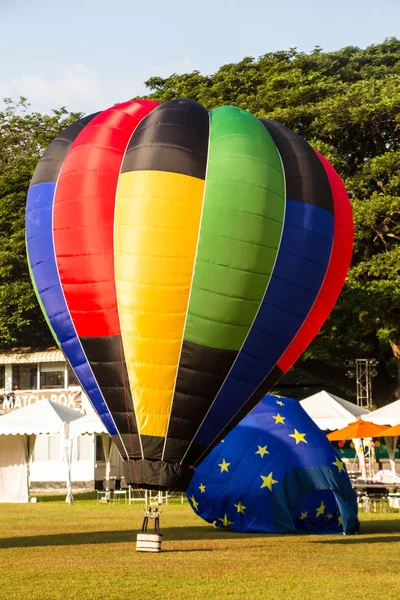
(50, 551)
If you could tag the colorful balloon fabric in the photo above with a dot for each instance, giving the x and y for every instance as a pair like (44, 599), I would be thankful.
(184, 260)
(276, 472)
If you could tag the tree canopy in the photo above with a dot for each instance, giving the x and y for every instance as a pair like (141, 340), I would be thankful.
(23, 138)
(347, 105)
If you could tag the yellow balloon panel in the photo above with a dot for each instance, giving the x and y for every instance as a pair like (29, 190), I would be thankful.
(157, 219)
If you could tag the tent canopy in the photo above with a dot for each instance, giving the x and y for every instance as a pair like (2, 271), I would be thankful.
(387, 415)
(358, 430)
(44, 417)
(331, 412)
(89, 424)
(392, 431)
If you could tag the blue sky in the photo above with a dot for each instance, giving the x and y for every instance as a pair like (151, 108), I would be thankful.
(89, 54)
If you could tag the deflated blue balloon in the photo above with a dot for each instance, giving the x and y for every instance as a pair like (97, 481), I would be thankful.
(276, 472)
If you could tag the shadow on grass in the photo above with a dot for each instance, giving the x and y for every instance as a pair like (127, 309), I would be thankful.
(124, 536)
(371, 532)
(354, 539)
(61, 497)
(380, 526)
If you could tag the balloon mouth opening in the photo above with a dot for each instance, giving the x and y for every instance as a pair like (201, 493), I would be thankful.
(157, 475)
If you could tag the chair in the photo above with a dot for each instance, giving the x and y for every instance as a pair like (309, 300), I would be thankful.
(370, 502)
(105, 495)
(122, 492)
(378, 500)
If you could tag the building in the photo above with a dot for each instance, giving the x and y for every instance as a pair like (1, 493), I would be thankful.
(28, 376)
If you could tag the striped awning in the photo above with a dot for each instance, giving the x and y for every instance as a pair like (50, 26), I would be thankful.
(24, 357)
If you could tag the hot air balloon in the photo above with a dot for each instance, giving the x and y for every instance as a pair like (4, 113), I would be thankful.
(184, 259)
(275, 472)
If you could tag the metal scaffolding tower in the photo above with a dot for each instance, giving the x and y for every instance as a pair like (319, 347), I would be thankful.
(363, 369)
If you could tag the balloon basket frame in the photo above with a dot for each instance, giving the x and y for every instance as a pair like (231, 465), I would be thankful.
(148, 542)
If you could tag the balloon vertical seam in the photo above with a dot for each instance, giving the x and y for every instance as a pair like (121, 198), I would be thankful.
(191, 288)
(255, 316)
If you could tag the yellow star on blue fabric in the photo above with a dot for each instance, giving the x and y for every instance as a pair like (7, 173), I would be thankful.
(202, 488)
(329, 516)
(321, 509)
(339, 464)
(225, 521)
(262, 450)
(304, 515)
(280, 403)
(268, 481)
(340, 520)
(279, 419)
(240, 507)
(299, 437)
(224, 465)
(194, 503)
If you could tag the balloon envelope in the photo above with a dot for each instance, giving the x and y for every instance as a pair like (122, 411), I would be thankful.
(184, 260)
(275, 472)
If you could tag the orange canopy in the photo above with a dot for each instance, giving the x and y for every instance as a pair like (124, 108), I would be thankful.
(392, 431)
(358, 429)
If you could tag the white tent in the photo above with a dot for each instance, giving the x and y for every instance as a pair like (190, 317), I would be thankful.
(18, 431)
(388, 415)
(91, 424)
(331, 412)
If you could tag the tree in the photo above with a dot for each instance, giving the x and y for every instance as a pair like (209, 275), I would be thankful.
(23, 138)
(347, 105)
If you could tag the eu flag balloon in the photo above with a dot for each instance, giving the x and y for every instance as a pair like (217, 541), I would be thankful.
(184, 260)
(275, 472)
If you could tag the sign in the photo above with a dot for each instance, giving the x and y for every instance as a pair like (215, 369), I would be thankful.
(71, 398)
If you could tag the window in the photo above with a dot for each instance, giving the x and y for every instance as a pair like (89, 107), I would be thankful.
(72, 378)
(52, 375)
(49, 381)
(2, 377)
(99, 449)
(24, 377)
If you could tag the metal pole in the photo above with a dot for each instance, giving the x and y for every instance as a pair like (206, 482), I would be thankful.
(363, 380)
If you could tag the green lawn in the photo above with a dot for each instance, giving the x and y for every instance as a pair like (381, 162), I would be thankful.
(51, 551)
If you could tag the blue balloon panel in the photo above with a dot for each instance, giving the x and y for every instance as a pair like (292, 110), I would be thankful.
(39, 236)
